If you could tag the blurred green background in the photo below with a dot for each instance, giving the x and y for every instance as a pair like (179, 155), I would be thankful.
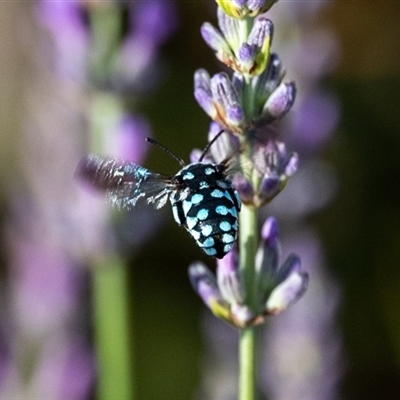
(360, 229)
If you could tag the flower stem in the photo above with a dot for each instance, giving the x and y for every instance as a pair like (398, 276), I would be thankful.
(111, 320)
(110, 292)
(247, 364)
(247, 342)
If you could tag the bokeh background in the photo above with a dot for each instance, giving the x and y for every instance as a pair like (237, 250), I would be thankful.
(358, 225)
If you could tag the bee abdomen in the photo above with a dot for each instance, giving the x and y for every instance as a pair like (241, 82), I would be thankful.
(212, 221)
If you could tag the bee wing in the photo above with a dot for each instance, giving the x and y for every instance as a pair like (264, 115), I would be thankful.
(125, 182)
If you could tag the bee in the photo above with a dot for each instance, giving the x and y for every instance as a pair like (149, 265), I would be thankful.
(201, 194)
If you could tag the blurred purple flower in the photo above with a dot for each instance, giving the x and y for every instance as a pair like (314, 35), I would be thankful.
(306, 336)
(65, 22)
(56, 226)
(45, 286)
(309, 333)
(155, 19)
(43, 278)
(314, 121)
(128, 140)
(150, 24)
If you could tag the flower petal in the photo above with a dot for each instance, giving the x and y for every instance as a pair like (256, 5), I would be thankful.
(213, 37)
(268, 254)
(291, 288)
(281, 100)
(230, 280)
(204, 283)
(202, 92)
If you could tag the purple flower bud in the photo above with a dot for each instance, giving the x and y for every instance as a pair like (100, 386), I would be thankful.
(230, 28)
(205, 284)
(281, 100)
(291, 265)
(256, 4)
(230, 280)
(293, 284)
(270, 186)
(270, 231)
(261, 33)
(244, 188)
(214, 39)
(273, 73)
(268, 254)
(222, 91)
(268, 81)
(277, 288)
(257, 7)
(202, 92)
(274, 167)
(292, 165)
(247, 54)
(226, 97)
(239, 3)
(235, 115)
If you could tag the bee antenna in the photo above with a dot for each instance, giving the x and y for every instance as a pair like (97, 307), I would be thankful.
(209, 144)
(168, 151)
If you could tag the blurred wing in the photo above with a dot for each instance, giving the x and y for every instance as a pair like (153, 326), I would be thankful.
(125, 182)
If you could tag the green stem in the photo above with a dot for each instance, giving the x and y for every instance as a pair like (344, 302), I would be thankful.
(247, 344)
(112, 340)
(110, 292)
(247, 364)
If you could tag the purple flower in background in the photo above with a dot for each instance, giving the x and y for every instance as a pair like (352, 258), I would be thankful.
(56, 227)
(128, 140)
(132, 66)
(45, 286)
(310, 332)
(70, 38)
(306, 336)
